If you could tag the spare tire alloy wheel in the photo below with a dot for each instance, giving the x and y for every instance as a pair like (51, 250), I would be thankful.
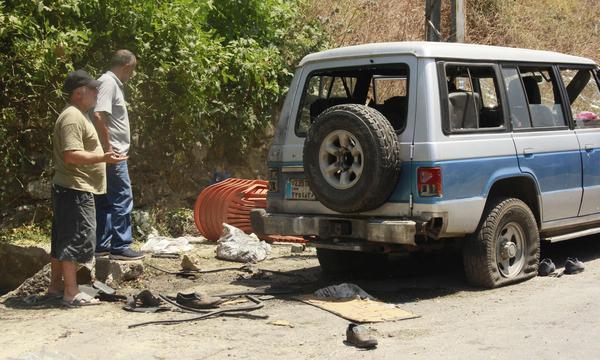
(506, 247)
(352, 158)
(341, 159)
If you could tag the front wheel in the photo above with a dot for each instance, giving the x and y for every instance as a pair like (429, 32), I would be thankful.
(506, 246)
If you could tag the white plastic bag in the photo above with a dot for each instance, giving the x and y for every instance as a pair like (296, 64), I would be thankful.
(236, 245)
(163, 244)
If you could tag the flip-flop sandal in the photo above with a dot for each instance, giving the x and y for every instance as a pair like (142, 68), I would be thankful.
(93, 292)
(81, 299)
(103, 287)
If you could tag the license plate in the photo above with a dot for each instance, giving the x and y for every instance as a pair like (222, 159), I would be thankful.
(298, 189)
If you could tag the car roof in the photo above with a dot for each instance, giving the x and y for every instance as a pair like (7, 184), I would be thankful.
(444, 50)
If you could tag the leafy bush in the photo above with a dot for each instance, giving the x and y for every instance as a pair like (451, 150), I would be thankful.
(209, 72)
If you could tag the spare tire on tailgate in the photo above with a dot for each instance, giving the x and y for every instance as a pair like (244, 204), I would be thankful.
(352, 158)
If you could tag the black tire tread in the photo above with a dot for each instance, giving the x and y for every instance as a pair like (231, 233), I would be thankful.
(388, 157)
(480, 248)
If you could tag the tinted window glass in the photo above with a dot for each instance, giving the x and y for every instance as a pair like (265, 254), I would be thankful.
(519, 114)
(584, 96)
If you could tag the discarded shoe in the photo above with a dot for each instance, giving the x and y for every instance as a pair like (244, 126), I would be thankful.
(147, 299)
(546, 267)
(573, 266)
(199, 300)
(358, 335)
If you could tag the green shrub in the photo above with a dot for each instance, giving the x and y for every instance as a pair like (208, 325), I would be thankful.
(209, 72)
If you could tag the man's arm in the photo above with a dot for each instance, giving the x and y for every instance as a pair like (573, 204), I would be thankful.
(82, 157)
(101, 120)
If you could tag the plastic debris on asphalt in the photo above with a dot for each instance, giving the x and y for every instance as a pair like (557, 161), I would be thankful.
(235, 245)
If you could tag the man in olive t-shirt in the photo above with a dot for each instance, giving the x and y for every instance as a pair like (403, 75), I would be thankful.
(79, 174)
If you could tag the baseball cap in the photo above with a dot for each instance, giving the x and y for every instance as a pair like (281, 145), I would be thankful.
(77, 79)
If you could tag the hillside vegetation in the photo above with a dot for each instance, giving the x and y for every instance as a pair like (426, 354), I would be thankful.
(212, 74)
(569, 26)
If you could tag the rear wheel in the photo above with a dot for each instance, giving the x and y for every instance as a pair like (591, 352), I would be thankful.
(506, 246)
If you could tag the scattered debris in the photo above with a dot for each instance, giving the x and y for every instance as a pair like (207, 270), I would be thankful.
(359, 336)
(190, 263)
(235, 245)
(199, 300)
(115, 272)
(297, 248)
(546, 267)
(164, 244)
(343, 291)
(142, 224)
(281, 323)
(166, 256)
(144, 302)
(257, 304)
(359, 310)
(573, 266)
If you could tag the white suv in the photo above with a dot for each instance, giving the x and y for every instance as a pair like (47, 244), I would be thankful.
(411, 145)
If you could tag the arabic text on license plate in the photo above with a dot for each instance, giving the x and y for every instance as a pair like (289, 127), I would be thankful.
(298, 189)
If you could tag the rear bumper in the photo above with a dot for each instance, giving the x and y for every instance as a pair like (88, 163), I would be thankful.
(371, 229)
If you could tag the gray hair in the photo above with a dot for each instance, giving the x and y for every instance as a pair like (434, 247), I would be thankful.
(121, 58)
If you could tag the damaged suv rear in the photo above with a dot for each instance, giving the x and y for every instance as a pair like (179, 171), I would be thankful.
(395, 147)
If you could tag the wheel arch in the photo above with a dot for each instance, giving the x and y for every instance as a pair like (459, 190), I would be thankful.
(523, 187)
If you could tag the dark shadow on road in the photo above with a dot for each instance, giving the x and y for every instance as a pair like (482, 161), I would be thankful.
(585, 249)
(32, 302)
(412, 277)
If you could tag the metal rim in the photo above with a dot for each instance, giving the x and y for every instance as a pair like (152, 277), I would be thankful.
(510, 250)
(341, 159)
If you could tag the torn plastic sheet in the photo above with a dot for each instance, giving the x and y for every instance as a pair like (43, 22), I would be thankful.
(236, 245)
(164, 244)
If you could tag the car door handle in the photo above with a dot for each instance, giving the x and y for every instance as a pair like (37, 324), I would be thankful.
(589, 147)
(528, 151)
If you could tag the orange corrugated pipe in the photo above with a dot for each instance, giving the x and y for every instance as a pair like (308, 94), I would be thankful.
(230, 201)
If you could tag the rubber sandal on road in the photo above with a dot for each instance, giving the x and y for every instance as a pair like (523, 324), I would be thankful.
(103, 287)
(358, 336)
(81, 299)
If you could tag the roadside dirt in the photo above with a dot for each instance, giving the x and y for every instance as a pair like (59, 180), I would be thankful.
(547, 318)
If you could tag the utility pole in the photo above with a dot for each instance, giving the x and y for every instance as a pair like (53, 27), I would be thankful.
(458, 20)
(432, 20)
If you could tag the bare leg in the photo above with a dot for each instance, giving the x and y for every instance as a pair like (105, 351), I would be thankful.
(56, 277)
(70, 275)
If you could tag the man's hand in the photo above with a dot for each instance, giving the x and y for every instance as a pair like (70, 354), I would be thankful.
(101, 121)
(111, 157)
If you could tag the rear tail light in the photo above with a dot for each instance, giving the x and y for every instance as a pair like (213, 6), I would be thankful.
(429, 181)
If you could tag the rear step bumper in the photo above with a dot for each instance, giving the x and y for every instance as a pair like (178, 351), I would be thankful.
(371, 229)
